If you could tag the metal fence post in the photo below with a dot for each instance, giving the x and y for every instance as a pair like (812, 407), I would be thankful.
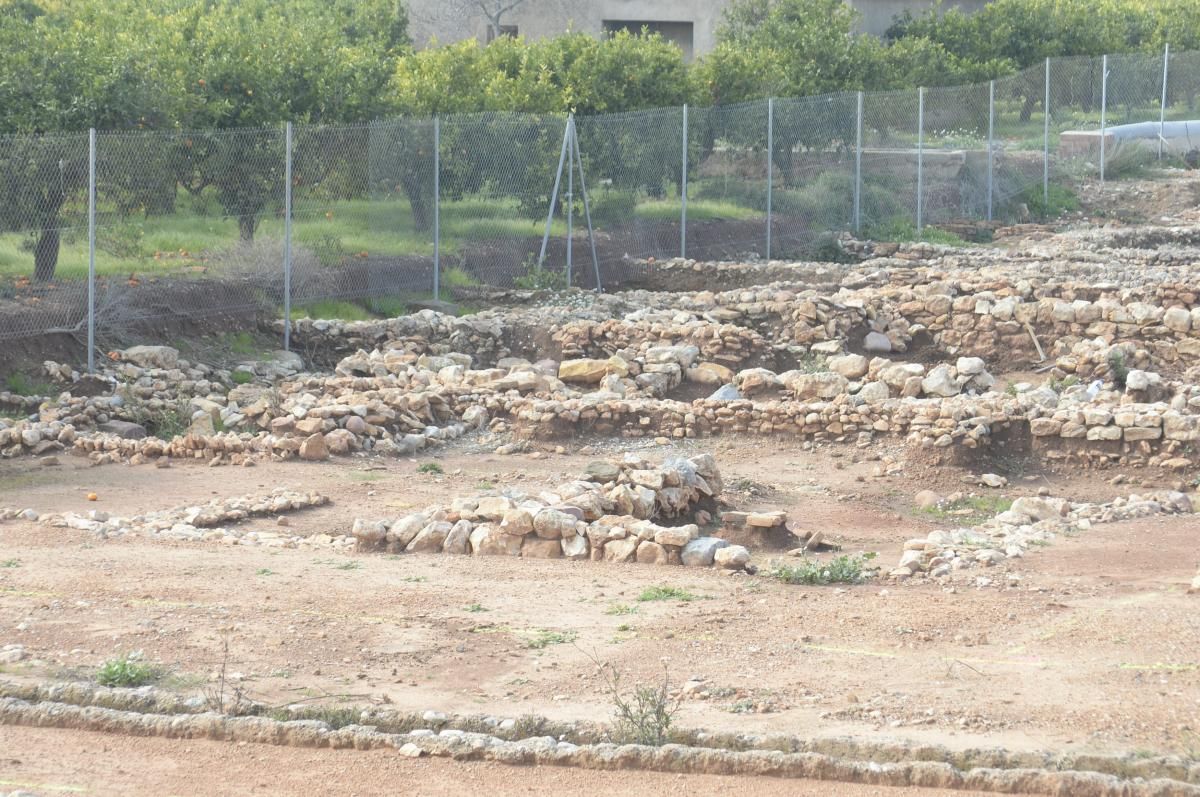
(991, 180)
(920, 158)
(1046, 142)
(1103, 110)
(1162, 108)
(858, 151)
(91, 289)
(683, 177)
(562, 159)
(770, 166)
(437, 208)
(570, 202)
(287, 237)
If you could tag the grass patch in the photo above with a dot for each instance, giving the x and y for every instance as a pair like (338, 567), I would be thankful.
(900, 231)
(127, 670)
(544, 639)
(351, 565)
(839, 570)
(11, 563)
(475, 608)
(25, 385)
(332, 309)
(619, 609)
(430, 467)
(333, 716)
(969, 511)
(241, 377)
(414, 579)
(264, 571)
(666, 593)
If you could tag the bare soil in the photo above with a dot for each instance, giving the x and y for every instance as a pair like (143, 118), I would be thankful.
(1087, 645)
(80, 762)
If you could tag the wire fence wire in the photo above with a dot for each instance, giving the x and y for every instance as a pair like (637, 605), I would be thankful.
(191, 228)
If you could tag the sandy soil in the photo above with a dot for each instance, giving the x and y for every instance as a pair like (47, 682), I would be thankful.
(79, 762)
(1089, 644)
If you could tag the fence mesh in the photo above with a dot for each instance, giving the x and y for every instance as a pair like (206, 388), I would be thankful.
(192, 226)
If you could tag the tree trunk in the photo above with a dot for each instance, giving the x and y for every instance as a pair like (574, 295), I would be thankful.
(246, 225)
(416, 189)
(1027, 107)
(45, 253)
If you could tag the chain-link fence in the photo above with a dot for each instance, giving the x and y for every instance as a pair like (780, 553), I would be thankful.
(166, 234)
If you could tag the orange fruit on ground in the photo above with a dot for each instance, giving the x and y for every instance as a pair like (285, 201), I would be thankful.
(93, 497)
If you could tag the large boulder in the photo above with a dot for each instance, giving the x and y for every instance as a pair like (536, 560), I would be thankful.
(851, 366)
(700, 552)
(152, 356)
(551, 524)
(941, 381)
(487, 540)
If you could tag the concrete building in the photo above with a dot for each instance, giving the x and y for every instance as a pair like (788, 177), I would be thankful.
(692, 24)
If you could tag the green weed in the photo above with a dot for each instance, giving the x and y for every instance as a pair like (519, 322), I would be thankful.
(969, 511)
(127, 670)
(430, 467)
(839, 570)
(666, 593)
(25, 385)
(544, 638)
(620, 609)
(475, 608)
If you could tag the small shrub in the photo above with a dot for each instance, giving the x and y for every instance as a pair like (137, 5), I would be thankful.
(388, 306)
(475, 608)
(11, 563)
(241, 377)
(430, 467)
(666, 593)
(619, 609)
(1050, 205)
(537, 278)
(612, 206)
(1117, 367)
(839, 570)
(128, 670)
(643, 715)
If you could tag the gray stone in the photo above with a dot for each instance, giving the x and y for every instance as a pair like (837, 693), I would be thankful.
(126, 430)
(877, 342)
(152, 356)
(700, 552)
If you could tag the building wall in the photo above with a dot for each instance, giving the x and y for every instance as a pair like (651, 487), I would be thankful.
(455, 20)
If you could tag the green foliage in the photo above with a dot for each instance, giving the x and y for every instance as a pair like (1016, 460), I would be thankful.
(332, 309)
(900, 230)
(537, 278)
(430, 467)
(241, 377)
(24, 385)
(1061, 200)
(1118, 367)
(839, 570)
(968, 511)
(127, 670)
(619, 609)
(544, 638)
(666, 593)
(10, 563)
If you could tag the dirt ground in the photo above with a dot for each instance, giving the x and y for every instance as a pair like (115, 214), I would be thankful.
(79, 762)
(1086, 645)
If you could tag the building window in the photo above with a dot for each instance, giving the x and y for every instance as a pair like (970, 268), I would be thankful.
(505, 30)
(679, 33)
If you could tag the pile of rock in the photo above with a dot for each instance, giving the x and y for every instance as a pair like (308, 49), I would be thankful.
(1029, 521)
(608, 514)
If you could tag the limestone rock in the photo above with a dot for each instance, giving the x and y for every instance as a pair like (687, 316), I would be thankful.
(700, 552)
(313, 448)
(732, 557)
